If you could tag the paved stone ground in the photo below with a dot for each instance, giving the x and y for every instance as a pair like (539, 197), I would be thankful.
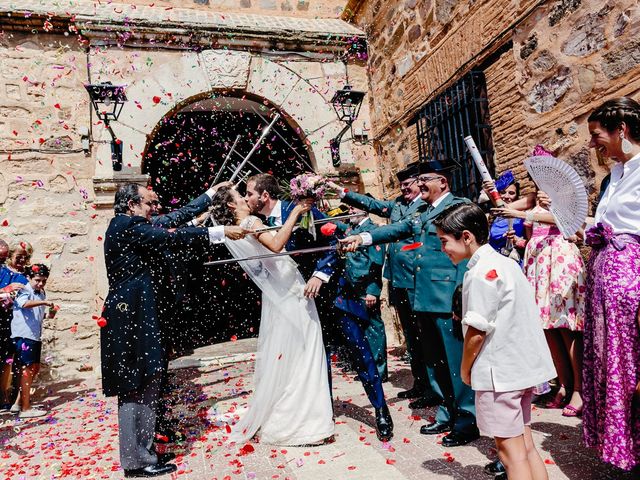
(79, 438)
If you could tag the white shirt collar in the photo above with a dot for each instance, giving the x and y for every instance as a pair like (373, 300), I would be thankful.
(418, 197)
(440, 199)
(483, 251)
(276, 212)
(363, 220)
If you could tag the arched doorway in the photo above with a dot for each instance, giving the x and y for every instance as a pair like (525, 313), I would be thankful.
(182, 159)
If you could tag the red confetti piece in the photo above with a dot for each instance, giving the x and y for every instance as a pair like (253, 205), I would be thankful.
(491, 275)
(156, 99)
(548, 461)
(246, 450)
(234, 338)
(5, 223)
(328, 229)
(411, 246)
(227, 428)
(57, 105)
(390, 461)
(102, 322)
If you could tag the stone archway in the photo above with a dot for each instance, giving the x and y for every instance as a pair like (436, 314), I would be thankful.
(165, 81)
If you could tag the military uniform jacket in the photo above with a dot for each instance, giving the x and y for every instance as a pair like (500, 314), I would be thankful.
(435, 276)
(399, 265)
(362, 274)
(131, 346)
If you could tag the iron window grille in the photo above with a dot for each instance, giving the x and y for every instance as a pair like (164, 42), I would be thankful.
(442, 124)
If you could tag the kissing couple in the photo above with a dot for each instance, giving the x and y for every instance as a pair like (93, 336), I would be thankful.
(291, 402)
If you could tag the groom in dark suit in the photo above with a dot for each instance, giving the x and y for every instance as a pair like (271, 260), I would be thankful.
(436, 278)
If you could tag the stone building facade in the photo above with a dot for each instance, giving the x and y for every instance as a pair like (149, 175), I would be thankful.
(547, 64)
(56, 179)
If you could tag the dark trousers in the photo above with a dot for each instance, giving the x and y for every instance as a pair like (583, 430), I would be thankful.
(443, 353)
(411, 329)
(136, 424)
(353, 330)
(377, 338)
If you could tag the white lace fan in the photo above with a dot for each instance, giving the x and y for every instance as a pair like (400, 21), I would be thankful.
(559, 180)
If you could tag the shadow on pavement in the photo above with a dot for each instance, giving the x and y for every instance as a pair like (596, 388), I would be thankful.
(563, 444)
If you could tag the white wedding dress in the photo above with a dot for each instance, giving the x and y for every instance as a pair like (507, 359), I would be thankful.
(291, 402)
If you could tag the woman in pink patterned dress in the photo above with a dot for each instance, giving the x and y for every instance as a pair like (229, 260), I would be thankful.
(555, 269)
(611, 375)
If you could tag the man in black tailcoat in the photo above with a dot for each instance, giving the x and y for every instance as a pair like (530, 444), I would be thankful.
(133, 355)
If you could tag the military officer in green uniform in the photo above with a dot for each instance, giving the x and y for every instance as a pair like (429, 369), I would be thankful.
(398, 270)
(436, 278)
(358, 303)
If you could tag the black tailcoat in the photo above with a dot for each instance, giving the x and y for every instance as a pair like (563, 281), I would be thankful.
(132, 348)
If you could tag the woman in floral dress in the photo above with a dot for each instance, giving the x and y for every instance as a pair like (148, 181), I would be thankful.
(555, 268)
(611, 377)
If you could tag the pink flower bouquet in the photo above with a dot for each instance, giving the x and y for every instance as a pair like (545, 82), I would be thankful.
(304, 186)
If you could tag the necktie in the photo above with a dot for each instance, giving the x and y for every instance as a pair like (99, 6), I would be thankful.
(271, 221)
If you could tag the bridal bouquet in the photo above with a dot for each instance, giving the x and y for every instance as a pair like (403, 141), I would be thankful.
(305, 186)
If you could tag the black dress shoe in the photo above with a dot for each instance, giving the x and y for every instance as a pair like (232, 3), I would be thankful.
(165, 457)
(435, 428)
(424, 402)
(456, 439)
(411, 393)
(151, 471)
(494, 467)
(384, 424)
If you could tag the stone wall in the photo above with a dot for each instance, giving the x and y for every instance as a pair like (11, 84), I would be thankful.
(46, 188)
(547, 64)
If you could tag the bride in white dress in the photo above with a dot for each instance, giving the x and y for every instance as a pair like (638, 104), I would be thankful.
(291, 402)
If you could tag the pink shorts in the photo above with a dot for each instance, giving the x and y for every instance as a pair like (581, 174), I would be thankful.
(503, 414)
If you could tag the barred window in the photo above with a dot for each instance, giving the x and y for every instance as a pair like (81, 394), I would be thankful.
(442, 124)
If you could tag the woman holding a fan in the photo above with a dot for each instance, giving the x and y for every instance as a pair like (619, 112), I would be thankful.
(611, 375)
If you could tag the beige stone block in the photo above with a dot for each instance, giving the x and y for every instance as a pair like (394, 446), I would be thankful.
(78, 246)
(270, 80)
(311, 110)
(49, 244)
(30, 227)
(226, 68)
(38, 207)
(306, 70)
(73, 227)
(67, 284)
(334, 69)
(19, 189)
(60, 184)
